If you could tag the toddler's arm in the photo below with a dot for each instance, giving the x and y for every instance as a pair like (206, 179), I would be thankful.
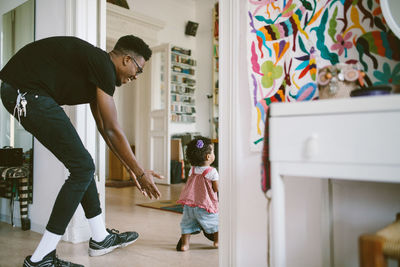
(215, 186)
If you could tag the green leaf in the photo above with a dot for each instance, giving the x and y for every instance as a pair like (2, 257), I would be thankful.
(321, 46)
(396, 69)
(332, 25)
(302, 47)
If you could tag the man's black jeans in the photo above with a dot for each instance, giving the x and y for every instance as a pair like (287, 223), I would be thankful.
(49, 124)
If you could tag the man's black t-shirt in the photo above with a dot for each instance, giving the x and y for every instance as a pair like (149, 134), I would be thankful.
(66, 68)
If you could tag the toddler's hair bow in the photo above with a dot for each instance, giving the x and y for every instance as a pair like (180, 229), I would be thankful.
(199, 144)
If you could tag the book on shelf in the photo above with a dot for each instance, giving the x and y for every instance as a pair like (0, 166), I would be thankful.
(181, 50)
(182, 98)
(181, 89)
(175, 58)
(183, 118)
(185, 80)
(180, 69)
(179, 108)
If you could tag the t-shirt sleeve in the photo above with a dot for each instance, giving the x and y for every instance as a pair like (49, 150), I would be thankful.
(213, 175)
(101, 71)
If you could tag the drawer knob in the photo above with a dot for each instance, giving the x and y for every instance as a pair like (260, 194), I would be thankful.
(311, 146)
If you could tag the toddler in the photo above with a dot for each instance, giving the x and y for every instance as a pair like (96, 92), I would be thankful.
(199, 196)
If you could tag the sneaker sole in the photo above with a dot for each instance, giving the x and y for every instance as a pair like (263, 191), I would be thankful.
(100, 252)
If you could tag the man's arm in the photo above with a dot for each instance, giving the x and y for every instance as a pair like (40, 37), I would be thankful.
(100, 128)
(105, 114)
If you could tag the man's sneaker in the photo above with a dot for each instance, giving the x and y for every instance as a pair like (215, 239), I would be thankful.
(112, 241)
(50, 260)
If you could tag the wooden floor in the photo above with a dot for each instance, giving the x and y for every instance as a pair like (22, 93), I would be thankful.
(159, 232)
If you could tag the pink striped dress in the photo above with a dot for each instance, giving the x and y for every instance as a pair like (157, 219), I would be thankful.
(198, 192)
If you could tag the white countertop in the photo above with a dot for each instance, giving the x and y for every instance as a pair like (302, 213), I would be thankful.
(335, 106)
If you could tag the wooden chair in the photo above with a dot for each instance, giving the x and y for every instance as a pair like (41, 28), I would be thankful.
(376, 248)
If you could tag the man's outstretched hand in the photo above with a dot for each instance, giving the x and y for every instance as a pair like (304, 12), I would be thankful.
(146, 183)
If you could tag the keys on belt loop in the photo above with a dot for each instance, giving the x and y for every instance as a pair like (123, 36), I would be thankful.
(20, 105)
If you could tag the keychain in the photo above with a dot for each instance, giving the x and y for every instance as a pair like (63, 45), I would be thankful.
(20, 106)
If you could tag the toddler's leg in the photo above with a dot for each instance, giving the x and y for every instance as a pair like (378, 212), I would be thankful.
(216, 239)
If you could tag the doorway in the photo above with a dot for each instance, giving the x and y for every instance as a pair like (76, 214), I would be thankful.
(133, 100)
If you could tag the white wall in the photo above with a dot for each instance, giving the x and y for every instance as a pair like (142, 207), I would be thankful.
(251, 224)
(204, 52)
(175, 14)
(243, 207)
(359, 208)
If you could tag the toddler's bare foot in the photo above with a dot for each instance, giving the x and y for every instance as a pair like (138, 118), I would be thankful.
(216, 240)
(185, 248)
(183, 244)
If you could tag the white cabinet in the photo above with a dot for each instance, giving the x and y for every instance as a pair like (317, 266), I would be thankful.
(354, 139)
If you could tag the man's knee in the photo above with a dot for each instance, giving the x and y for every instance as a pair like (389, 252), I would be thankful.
(83, 172)
(90, 168)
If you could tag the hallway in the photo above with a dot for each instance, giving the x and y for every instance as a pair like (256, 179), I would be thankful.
(159, 232)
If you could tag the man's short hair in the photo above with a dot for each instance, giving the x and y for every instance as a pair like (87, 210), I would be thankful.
(135, 44)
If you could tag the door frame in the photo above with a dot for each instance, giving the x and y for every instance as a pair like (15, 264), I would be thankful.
(229, 29)
(160, 117)
(228, 127)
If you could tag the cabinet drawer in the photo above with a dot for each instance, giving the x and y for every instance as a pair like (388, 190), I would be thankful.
(361, 138)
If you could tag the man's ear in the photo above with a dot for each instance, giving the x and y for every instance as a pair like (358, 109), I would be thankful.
(125, 60)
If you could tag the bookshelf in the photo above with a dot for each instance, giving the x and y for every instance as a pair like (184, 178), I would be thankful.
(183, 84)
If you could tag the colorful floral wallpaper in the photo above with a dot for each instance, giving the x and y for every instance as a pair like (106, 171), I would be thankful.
(289, 40)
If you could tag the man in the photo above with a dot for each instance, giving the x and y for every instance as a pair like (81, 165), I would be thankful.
(57, 71)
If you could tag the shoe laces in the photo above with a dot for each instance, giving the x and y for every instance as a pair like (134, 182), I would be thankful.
(113, 231)
(119, 237)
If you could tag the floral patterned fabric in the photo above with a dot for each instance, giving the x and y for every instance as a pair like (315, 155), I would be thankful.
(290, 40)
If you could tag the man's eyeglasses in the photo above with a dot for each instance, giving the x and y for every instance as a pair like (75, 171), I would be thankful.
(139, 69)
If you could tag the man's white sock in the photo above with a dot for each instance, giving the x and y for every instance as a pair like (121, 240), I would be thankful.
(47, 244)
(98, 229)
